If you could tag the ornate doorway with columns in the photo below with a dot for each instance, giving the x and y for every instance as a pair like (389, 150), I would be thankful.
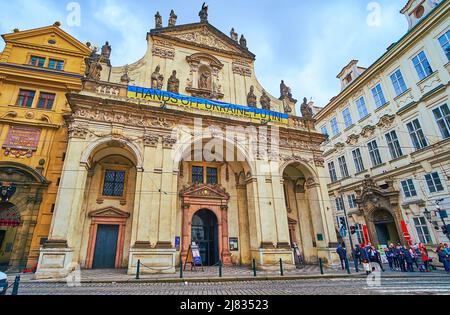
(205, 206)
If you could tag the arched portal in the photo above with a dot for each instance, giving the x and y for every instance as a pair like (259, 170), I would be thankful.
(385, 227)
(9, 223)
(205, 234)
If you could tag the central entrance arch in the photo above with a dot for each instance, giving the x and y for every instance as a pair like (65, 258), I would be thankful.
(385, 227)
(205, 234)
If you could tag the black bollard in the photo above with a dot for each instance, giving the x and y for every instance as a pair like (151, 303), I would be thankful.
(356, 264)
(138, 269)
(15, 290)
(254, 268)
(220, 269)
(347, 265)
(281, 267)
(321, 266)
(181, 270)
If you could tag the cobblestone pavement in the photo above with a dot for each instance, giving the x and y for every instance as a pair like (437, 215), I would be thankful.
(207, 272)
(387, 286)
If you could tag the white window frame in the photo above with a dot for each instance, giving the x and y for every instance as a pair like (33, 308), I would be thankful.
(374, 153)
(357, 159)
(332, 171)
(419, 224)
(394, 145)
(342, 161)
(398, 82)
(347, 116)
(415, 130)
(447, 37)
(361, 106)
(443, 121)
(409, 189)
(334, 126)
(435, 181)
(378, 96)
(420, 63)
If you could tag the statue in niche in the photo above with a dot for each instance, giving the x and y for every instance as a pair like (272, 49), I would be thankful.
(243, 42)
(203, 81)
(157, 79)
(306, 110)
(251, 97)
(265, 101)
(158, 20)
(203, 14)
(172, 19)
(125, 78)
(234, 35)
(173, 85)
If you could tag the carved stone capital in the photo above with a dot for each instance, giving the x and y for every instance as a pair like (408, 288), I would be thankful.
(169, 142)
(151, 140)
(77, 132)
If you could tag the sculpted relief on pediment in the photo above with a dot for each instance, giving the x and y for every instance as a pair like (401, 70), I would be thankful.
(203, 37)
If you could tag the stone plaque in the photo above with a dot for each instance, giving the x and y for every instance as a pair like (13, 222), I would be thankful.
(21, 141)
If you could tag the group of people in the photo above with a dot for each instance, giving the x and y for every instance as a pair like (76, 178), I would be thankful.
(400, 258)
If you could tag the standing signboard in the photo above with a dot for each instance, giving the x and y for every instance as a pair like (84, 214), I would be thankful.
(193, 257)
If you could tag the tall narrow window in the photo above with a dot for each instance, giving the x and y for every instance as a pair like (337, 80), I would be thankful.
(334, 126)
(422, 230)
(352, 201)
(46, 101)
(343, 167)
(378, 96)
(340, 204)
(444, 40)
(416, 134)
(114, 183)
(374, 153)
(362, 108)
(347, 117)
(398, 82)
(25, 98)
(393, 144)
(409, 189)
(332, 170)
(37, 61)
(434, 182)
(422, 65)
(442, 116)
(324, 130)
(359, 233)
(211, 176)
(197, 175)
(359, 164)
(56, 64)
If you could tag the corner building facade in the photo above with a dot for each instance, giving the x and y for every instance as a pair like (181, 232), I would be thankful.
(139, 181)
(389, 131)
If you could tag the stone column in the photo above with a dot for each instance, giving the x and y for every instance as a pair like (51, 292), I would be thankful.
(281, 216)
(244, 225)
(226, 255)
(56, 256)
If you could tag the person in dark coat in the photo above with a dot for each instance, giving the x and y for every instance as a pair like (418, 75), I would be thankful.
(390, 257)
(342, 254)
(409, 260)
(396, 251)
(375, 257)
(401, 258)
(358, 254)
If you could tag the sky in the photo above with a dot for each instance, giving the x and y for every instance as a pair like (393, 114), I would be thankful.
(306, 43)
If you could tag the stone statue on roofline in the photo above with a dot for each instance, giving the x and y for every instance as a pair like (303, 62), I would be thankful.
(265, 101)
(234, 35)
(306, 109)
(157, 79)
(286, 93)
(243, 42)
(173, 84)
(251, 97)
(158, 20)
(172, 19)
(203, 14)
(93, 66)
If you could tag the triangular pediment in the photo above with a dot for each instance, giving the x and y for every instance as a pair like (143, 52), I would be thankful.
(109, 212)
(202, 35)
(50, 37)
(205, 191)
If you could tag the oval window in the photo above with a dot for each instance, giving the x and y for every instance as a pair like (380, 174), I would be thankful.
(52, 41)
(419, 12)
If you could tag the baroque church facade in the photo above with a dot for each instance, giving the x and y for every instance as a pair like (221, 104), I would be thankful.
(186, 146)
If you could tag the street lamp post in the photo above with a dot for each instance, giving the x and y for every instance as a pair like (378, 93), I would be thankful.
(427, 213)
(349, 234)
